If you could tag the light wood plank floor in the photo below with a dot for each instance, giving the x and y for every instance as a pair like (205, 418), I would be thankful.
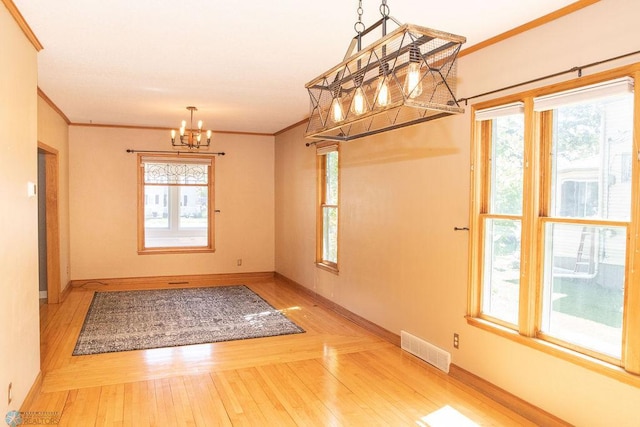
(335, 374)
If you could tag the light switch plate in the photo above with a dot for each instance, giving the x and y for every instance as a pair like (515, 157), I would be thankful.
(31, 189)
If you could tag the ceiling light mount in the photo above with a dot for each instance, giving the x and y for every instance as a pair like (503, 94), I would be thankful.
(192, 137)
(405, 77)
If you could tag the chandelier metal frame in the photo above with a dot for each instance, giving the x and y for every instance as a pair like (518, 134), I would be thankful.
(405, 77)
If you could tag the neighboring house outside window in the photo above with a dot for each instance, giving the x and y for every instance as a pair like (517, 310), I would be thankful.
(175, 213)
(554, 213)
(328, 201)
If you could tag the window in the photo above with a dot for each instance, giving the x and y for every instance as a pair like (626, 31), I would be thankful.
(553, 221)
(176, 215)
(502, 221)
(327, 222)
(587, 223)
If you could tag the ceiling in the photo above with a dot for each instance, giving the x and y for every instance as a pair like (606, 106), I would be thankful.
(243, 64)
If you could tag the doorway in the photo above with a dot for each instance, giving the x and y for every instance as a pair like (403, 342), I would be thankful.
(48, 221)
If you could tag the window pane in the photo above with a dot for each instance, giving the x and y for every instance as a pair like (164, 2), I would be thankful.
(501, 281)
(584, 285)
(592, 143)
(507, 148)
(156, 213)
(330, 234)
(193, 209)
(184, 225)
(331, 178)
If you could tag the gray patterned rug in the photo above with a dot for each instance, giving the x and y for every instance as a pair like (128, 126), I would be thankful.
(136, 320)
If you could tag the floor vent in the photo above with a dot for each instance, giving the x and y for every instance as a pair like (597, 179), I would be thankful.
(425, 351)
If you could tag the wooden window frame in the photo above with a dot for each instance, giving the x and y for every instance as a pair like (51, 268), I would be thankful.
(322, 149)
(210, 247)
(535, 209)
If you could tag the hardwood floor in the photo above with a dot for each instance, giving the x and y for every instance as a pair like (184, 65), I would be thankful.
(334, 374)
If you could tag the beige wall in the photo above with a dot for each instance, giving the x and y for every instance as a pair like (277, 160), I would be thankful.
(401, 264)
(53, 131)
(103, 197)
(19, 341)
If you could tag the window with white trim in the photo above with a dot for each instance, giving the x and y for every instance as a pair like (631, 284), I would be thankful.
(555, 211)
(175, 208)
(327, 216)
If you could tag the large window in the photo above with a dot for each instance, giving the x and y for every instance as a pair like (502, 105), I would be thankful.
(174, 212)
(327, 223)
(554, 218)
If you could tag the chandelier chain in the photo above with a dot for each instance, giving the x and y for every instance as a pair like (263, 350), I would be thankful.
(384, 9)
(359, 26)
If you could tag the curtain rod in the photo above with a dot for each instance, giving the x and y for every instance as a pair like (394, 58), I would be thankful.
(129, 150)
(577, 69)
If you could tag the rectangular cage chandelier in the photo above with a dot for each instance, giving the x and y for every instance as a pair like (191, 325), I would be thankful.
(406, 77)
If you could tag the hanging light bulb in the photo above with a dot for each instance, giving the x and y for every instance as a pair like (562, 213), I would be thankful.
(337, 113)
(413, 81)
(383, 96)
(359, 103)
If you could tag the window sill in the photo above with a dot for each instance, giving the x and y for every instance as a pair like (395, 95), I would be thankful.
(588, 362)
(331, 268)
(155, 251)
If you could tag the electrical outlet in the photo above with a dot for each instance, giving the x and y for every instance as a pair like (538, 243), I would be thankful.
(456, 341)
(9, 394)
(239, 262)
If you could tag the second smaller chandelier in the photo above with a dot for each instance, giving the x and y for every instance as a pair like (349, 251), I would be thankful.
(192, 137)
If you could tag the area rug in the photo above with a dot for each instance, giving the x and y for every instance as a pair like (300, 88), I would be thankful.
(137, 320)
